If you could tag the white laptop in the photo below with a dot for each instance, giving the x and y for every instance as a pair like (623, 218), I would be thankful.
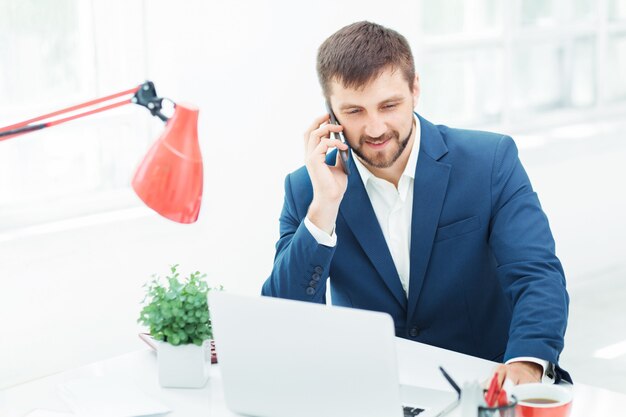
(284, 358)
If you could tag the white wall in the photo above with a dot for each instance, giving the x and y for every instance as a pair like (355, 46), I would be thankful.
(71, 296)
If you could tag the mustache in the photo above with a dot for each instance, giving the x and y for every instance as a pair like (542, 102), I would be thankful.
(382, 138)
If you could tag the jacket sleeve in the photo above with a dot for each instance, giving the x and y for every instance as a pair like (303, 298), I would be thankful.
(301, 265)
(530, 273)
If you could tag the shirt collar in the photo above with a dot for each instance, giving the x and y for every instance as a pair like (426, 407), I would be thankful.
(411, 164)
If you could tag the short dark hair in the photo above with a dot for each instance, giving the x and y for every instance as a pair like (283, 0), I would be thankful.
(358, 53)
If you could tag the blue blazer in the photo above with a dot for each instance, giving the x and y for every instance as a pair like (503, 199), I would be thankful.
(484, 277)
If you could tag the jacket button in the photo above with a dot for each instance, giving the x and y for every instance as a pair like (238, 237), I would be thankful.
(316, 277)
(414, 332)
(312, 283)
(318, 269)
(310, 290)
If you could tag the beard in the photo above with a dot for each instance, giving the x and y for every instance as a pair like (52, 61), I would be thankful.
(380, 159)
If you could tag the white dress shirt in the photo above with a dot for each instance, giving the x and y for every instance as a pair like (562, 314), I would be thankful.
(393, 208)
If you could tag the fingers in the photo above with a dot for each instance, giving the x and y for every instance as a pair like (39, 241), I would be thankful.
(321, 133)
(316, 123)
(501, 370)
(317, 131)
(318, 154)
(503, 374)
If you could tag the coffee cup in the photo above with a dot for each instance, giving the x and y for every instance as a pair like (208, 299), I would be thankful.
(542, 400)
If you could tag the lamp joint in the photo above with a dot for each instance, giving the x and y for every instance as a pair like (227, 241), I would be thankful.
(146, 96)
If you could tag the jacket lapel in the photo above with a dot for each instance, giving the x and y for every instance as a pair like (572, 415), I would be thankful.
(429, 191)
(359, 215)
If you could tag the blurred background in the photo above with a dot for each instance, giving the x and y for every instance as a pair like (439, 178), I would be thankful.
(76, 245)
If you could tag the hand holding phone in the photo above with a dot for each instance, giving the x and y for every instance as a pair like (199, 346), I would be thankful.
(339, 136)
(329, 182)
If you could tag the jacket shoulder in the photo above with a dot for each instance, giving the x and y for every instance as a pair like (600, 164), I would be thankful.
(299, 180)
(299, 191)
(471, 137)
(474, 144)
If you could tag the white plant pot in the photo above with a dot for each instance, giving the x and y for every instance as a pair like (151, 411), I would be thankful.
(183, 366)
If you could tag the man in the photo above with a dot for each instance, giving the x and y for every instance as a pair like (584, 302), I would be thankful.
(438, 227)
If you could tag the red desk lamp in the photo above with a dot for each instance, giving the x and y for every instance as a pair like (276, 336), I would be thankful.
(169, 179)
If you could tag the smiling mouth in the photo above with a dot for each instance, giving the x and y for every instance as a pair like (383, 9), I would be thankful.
(378, 144)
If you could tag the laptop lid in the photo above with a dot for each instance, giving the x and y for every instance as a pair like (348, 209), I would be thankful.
(284, 358)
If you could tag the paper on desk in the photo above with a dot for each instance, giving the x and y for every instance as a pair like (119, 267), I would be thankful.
(110, 397)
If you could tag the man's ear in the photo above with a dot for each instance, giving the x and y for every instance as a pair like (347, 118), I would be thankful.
(416, 89)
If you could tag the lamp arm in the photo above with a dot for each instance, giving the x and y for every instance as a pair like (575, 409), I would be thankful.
(144, 95)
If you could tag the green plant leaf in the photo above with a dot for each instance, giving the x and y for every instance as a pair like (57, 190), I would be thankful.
(177, 311)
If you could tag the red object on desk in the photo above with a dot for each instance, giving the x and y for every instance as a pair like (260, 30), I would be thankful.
(503, 399)
(213, 352)
(493, 392)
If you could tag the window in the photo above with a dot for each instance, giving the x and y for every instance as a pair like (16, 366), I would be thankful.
(616, 67)
(55, 54)
(523, 62)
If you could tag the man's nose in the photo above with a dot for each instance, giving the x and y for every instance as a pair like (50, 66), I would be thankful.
(375, 126)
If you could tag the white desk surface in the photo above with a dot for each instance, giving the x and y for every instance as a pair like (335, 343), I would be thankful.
(418, 365)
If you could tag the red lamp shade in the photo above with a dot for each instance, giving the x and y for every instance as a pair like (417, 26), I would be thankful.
(169, 179)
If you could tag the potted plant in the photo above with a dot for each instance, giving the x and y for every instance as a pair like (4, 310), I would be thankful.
(177, 314)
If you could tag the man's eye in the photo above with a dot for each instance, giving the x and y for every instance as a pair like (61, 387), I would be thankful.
(352, 111)
(390, 106)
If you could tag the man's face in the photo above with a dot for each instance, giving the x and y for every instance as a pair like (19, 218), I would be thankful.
(377, 118)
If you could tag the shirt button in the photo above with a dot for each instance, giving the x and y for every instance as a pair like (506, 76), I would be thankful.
(310, 290)
(318, 269)
(414, 332)
(316, 277)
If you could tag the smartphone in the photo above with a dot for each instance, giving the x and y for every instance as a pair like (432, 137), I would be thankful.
(345, 155)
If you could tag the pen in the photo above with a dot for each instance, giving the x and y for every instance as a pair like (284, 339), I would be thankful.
(493, 393)
(451, 381)
(503, 399)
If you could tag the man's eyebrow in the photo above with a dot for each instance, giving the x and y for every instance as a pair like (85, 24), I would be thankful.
(348, 106)
(394, 98)
(387, 100)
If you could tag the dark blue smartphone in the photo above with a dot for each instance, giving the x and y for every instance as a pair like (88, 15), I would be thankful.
(345, 155)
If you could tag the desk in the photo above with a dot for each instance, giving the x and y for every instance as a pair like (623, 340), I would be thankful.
(417, 364)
